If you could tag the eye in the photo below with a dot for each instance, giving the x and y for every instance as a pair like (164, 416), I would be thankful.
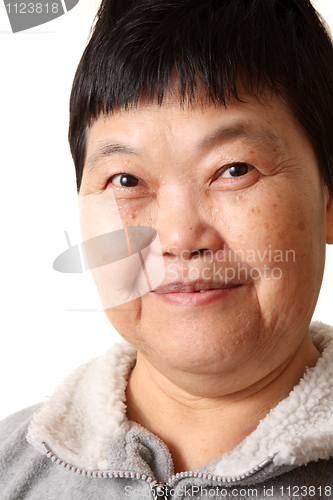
(124, 180)
(236, 170)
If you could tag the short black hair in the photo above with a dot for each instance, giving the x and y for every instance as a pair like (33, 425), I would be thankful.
(141, 48)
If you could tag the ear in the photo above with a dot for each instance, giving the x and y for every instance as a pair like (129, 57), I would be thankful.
(329, 221)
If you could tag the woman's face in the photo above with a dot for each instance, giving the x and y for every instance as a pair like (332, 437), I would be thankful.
(237, 200)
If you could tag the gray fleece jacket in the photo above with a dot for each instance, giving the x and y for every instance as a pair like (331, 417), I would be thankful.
(79, 445)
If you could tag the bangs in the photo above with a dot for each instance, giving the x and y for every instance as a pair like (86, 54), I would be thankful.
(199, 45)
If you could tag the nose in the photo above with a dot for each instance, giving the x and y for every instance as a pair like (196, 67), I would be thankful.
(185, 225)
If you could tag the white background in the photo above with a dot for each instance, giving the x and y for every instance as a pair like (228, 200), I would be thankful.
(41, 341)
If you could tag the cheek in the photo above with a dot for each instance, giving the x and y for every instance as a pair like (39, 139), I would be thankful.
(278, 234)
(140, 212)
(270, 221)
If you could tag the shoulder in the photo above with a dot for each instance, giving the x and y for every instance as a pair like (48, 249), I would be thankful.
(25, 472)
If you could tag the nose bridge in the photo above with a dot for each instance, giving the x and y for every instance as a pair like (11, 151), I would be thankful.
(184, 223)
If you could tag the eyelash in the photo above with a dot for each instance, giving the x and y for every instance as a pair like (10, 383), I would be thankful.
(219, 175)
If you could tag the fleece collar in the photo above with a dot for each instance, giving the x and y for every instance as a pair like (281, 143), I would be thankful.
(88, 411)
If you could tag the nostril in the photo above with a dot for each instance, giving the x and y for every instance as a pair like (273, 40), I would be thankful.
(201, 250)
(202, 253)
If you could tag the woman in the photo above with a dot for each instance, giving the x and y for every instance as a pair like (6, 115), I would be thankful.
(213, 139)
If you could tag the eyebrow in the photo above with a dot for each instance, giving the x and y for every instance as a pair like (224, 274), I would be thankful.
(251, 131)
(106, 150)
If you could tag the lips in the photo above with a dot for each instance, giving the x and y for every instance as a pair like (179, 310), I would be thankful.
(199, 293)
(193, 286)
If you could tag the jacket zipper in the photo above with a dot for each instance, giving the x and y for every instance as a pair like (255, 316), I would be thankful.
(160, 488)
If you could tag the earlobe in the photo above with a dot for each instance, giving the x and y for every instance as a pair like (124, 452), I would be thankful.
(329, 221)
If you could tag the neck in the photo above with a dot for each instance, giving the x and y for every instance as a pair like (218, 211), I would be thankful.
(199, 429)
